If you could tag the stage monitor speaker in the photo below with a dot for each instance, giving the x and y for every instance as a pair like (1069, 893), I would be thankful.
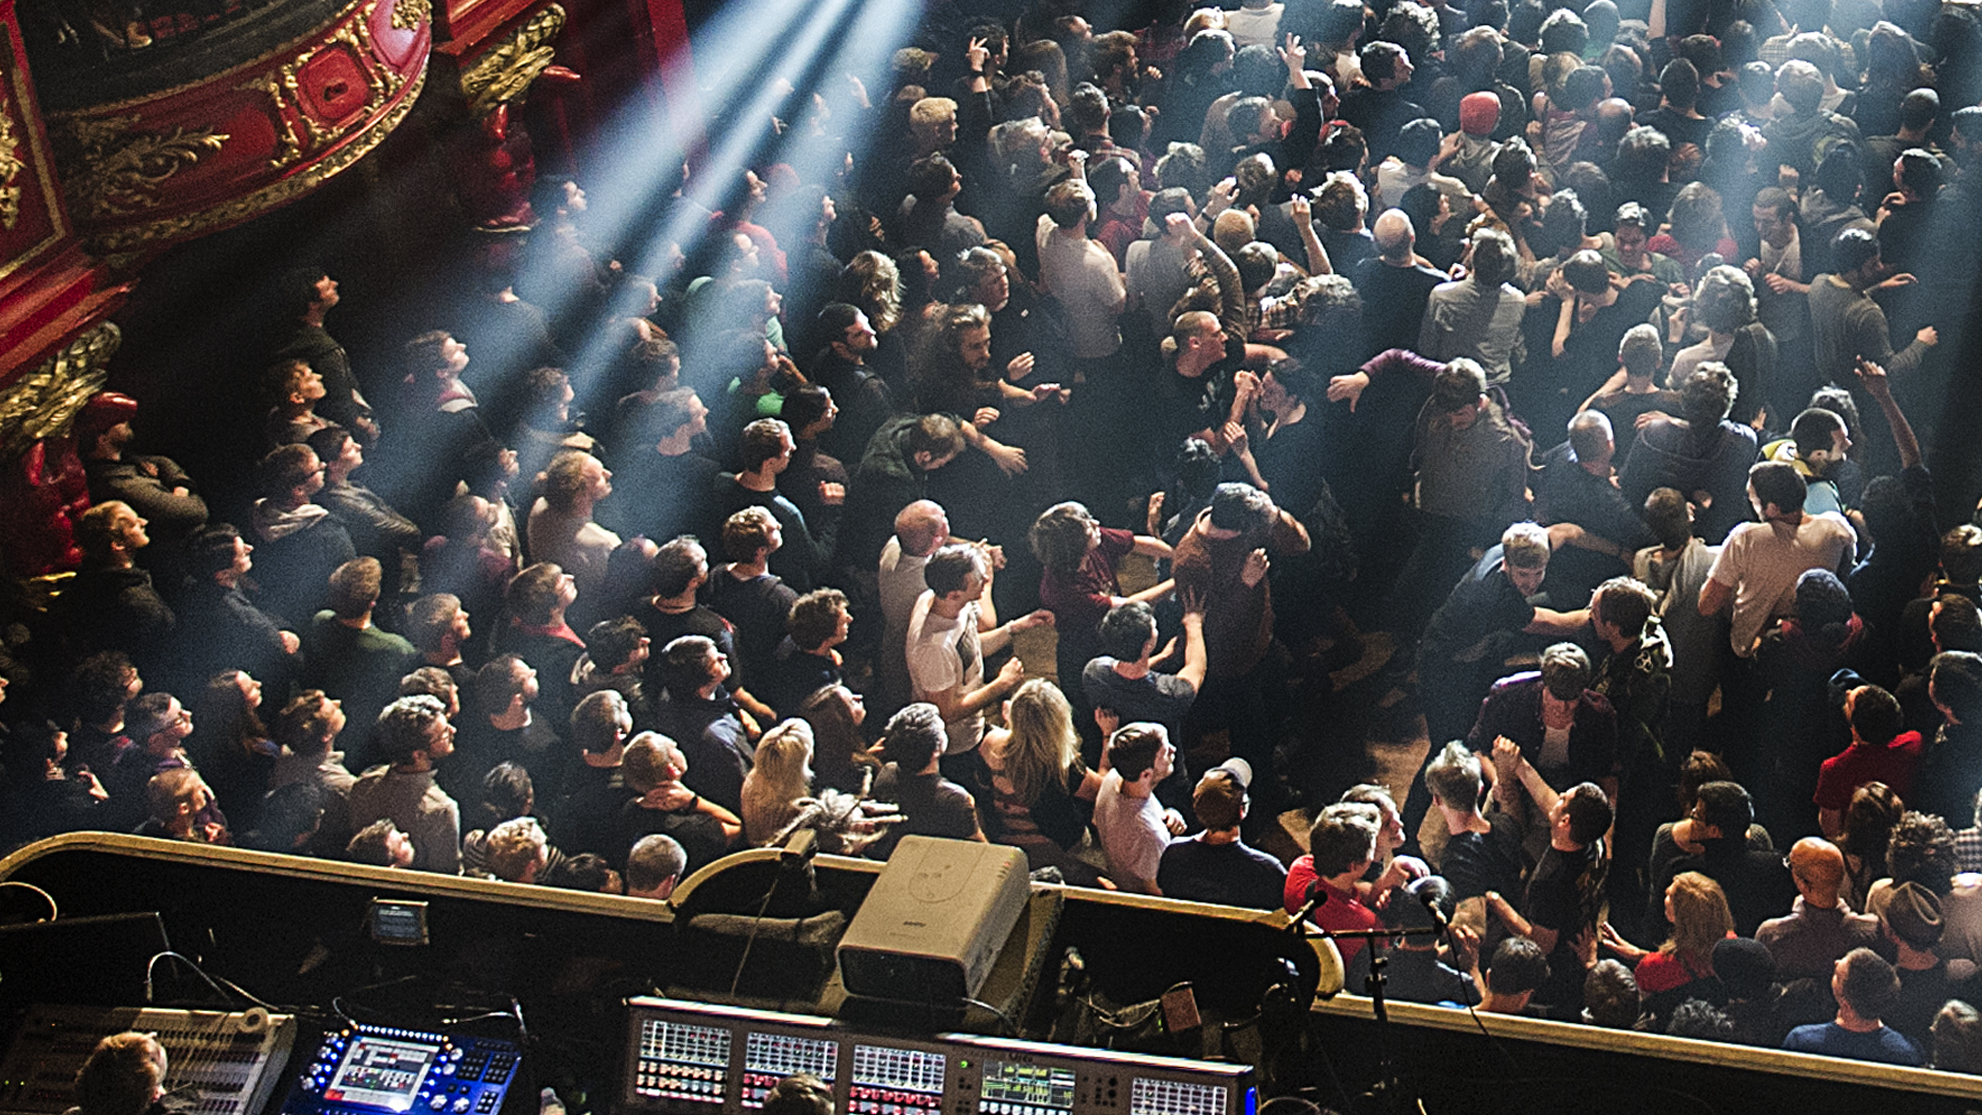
(934, 921)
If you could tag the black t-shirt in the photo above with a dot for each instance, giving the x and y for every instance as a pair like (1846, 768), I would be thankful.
(1477, 862)
(757, 608)
(700, 835)
(934, 806)
(1565, 893)
(1228, 874)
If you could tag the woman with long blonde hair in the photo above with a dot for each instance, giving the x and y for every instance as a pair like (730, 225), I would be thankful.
(1041, 793)
(1697, 907)
(782, 774)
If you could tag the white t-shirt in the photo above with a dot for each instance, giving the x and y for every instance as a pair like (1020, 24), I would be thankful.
(1132, 834)
(1761, 561)
(1082, 275)
(1255, 26)
(943, 654)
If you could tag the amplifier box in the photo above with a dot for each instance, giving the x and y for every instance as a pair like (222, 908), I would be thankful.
(934, 922)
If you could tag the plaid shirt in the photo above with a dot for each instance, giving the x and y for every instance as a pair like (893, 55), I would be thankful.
(1968, 849)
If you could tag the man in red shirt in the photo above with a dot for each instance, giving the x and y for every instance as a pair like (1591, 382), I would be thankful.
(1342, 845)
(1879, 752)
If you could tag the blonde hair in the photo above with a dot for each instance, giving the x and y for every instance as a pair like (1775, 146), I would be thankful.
(1525, 546)
(876, 288)
(513, 847)
(1700, 916)
(1044, 745)
(931, 111)
(651, 759)
(782, 775)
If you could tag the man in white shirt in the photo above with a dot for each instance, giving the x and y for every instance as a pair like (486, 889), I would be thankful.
(1079, 271)
(1760, 562)
(951, 629)
(1133, 826)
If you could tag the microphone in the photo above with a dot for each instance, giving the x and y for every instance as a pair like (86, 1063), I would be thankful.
(1428, 897)
(1315, 897)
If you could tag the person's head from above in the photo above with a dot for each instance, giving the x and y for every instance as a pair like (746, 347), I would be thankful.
(1524, 556)
(921, 528)
(914, 736)
(437, 623)
(1565, 673)
(1722, 811)
(1621, 606)
(1776, 491)
(1611, 996)
(1865, 985)
(1128, 631)
(505, 685)
(1956, 1034)
(1220, 799)
(1142, 754)
(956, 573)
(124, 1075)
(1455, 777)
(652, 760)
(601, 723)
(1669, 517)
(693, 666)
(1955, 684)
(752, 535)
(819, 620)
(1581, 816)
(654, 866)
(934, 440)
(1238, 510)
(1518, 967)
(414, 731)
(309, 724)
(1062, 537)
(1395, 238)
(1390, 832)
(1343, 839)
(1592, 441)
(380, 844)
(539, 594)
(1458, 393)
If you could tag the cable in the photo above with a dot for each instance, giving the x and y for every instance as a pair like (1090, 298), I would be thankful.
(1466, 1001)
(183, 959)
(755, 924)
(54, 911)
(1011, 1029)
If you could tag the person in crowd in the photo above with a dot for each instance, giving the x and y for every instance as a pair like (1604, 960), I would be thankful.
(1215, 865)
(414, 737)
(1866, 989)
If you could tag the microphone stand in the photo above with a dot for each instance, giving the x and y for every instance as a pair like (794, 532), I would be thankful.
(1387, 1089)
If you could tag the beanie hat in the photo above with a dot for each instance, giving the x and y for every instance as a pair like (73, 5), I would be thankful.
(1479, 113)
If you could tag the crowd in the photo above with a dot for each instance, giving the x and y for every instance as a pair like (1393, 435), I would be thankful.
(1557, 368)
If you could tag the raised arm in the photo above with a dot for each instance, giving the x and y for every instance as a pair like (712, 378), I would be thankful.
(1880, 388)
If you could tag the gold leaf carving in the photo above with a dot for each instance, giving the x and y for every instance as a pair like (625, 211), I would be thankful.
(43, 402)
(116, 172)
(504, 73)
(269, 197)
(289, 147)
(11, 165)
(409, 14)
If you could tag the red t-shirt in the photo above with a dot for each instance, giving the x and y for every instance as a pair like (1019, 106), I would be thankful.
(1078, 604)
(1341, 912)
(1860, 763)
(1664, 971)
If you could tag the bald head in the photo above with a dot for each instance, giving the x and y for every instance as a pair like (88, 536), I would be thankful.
(1394, 235)
(1818, 867)
(922, 527)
